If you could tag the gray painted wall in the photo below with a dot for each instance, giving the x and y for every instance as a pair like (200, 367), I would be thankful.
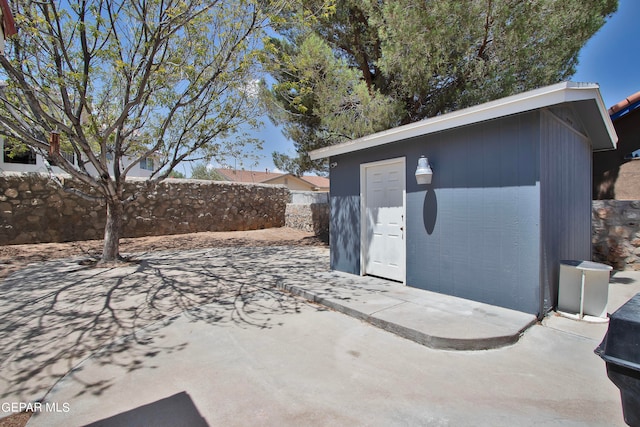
(476, 231)
(565, 180)
(344, 224)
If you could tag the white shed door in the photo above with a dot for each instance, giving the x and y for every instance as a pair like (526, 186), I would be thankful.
(383, 252)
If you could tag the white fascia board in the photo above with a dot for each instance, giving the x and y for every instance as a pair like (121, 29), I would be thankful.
(526, 101)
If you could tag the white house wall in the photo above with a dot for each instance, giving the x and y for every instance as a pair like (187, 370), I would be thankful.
(40, 167)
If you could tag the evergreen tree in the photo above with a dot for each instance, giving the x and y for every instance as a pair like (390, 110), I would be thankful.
(368, 65)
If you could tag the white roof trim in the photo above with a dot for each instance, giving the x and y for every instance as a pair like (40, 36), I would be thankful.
(539, 98)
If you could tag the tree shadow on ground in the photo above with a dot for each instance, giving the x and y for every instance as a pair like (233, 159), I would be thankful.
(56, 314)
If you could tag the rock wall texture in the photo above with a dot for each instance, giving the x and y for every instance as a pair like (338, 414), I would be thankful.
(309, 217)
(34, 210)
(615, 227)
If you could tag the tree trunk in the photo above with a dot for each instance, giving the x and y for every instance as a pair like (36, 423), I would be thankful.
(112, 231)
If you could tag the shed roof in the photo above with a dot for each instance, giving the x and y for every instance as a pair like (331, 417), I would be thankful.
(585, 98)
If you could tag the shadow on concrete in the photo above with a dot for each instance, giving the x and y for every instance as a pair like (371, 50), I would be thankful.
(56, 314)
(621, 280)
(176, 410)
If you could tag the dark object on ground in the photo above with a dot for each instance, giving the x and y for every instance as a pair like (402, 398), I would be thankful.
(620, 349)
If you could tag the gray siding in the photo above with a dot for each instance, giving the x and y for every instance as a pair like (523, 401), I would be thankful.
(565, 179)
(509, 199)
(344, 223)
(474, 232)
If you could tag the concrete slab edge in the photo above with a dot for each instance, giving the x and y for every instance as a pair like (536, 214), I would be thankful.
(431, 341)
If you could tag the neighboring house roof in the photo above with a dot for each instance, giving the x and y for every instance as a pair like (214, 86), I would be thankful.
(241, 175)
(318, 181)
(585, 97)
(625, 106)
(313, 182)
(266, 177)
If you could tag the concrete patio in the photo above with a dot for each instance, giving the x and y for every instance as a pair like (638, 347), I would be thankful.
(207, 337)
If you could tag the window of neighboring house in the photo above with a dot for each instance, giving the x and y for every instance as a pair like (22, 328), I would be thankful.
(68, 156)
(146, 163)
(25, 157)
(634, 155)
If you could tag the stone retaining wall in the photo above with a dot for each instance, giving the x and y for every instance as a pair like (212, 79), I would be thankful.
(33, 209)
(309, 217)
(616, 233)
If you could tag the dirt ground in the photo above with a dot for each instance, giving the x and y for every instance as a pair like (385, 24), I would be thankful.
(15, 257)
(16, 420)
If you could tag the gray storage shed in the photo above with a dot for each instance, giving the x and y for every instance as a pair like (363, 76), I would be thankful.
(510, 197)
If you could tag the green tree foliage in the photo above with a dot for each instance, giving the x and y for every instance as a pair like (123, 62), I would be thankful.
(368, 65)
(204, 171)
(320, 100)
(121, 81)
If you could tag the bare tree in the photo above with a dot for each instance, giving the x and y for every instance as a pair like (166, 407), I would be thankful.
(118, 82)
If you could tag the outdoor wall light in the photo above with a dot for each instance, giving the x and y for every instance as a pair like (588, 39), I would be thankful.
(423, 172)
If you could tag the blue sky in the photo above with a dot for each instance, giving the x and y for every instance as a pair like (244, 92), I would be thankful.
(610, 58)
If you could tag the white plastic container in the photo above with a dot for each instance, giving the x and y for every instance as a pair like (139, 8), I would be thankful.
(583, 290)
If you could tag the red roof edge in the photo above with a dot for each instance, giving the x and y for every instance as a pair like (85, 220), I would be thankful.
(632, 99)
